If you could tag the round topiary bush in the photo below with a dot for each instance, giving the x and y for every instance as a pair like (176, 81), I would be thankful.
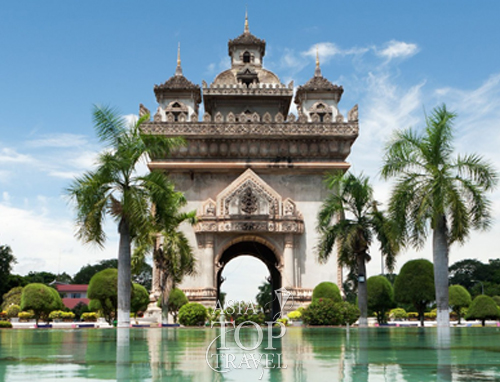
(327, 312)
(176, 300)
(328, 290)
(295, 315)
(13, 311)
(398, 314)
(192, 314)
(483, 308)
(41, 299)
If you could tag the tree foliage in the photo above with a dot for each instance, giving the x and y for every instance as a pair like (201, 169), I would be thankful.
(459, 299)
(103, 288)
(483, 308)
(41, 299)
(117, 190)
(325, 311)
(415, 285)
(176, 300)
(380, 297)
(435, 191)
(350, 218)
(12, 297)
(139, 300)
(327, 289)
(475, 276)
(192, 314)
(265, 298)
(7, 261)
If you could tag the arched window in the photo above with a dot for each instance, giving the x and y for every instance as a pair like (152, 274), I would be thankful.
(246, 57)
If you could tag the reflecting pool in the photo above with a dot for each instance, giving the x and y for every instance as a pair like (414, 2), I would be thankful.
(301, 354)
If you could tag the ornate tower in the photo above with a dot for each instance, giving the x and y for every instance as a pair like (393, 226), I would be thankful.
(252, 171)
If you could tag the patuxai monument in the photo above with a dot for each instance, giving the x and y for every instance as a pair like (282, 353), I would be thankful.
(251, 169)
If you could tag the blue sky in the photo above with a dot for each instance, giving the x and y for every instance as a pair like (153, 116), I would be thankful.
(395, 59)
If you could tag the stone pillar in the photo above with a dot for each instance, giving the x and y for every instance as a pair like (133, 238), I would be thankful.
(207, 262)
(288, 275)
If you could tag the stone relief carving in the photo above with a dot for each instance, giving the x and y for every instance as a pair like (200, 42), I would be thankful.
(267, 118)
(194, 117)
(157, 116)
(291, 118)
(339, 118)
(219, 117)
(279, 118)
(170, 117)
(249, 201)
(249, 204)
(143, 110)
(230, 117)
(352, 115)
(207, 117)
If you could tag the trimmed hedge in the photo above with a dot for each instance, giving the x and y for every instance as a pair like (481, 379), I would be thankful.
(192, 314)
(327, 289)
(5, 324)
(327, 312)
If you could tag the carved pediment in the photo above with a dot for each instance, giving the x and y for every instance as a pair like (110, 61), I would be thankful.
(249, 195)
(249, 204)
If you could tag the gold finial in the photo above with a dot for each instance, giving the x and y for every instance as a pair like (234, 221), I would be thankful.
(317, 56)
(178, 70)
(247, 29)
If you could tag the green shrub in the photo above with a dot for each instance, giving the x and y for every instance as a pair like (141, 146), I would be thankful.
(13, 311)
(327, 312)
(295, 315)
(243, 311)
(327, 289)
(380, 297)
(176, 300)
(89, 316)
(56, 315)
(412, 315)
(139, 300)
(192, 314)
(3, 315)
(483, 308)
(496, 299)
(459, 298)
(41, 299)
(398, 314)
(415, 285)
(12, 297)
(79, 309)
(68, 316)
(283, 320)
(5, 324)
(103, 287)
(25, 315)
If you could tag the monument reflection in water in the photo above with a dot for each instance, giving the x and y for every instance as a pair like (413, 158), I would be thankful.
(319, 354)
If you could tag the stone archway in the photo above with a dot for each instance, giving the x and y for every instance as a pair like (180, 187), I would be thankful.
(259, 251)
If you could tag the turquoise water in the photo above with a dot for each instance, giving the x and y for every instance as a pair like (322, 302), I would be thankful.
(302, 354)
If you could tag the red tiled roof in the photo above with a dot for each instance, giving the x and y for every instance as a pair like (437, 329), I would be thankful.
(72, 287)
(72, 302)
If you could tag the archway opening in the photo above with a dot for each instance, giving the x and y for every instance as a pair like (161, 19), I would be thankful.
(258, 251)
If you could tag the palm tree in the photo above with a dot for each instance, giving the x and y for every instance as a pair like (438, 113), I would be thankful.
(435, 190)
(115, 188)
(172, 254)
(349, 217)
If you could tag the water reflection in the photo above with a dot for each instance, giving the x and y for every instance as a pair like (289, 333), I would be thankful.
(318, 354)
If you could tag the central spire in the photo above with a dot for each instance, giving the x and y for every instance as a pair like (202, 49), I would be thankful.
(247, 29)
(317, 71)
(178, 69)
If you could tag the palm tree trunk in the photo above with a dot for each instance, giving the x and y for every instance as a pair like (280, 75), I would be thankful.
(167, 288)
(362, 292)
(124, 275)
(440, 257)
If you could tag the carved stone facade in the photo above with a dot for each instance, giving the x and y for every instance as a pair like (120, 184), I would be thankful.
(253, 171)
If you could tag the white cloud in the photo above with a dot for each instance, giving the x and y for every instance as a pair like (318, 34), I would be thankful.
(398, 49)
(63, 140)
(8, 155)
(327, 50)
(42, 241)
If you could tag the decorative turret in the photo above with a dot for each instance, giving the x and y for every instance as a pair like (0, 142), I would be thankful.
(246, 49)
(318, 98)
(178, 98)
